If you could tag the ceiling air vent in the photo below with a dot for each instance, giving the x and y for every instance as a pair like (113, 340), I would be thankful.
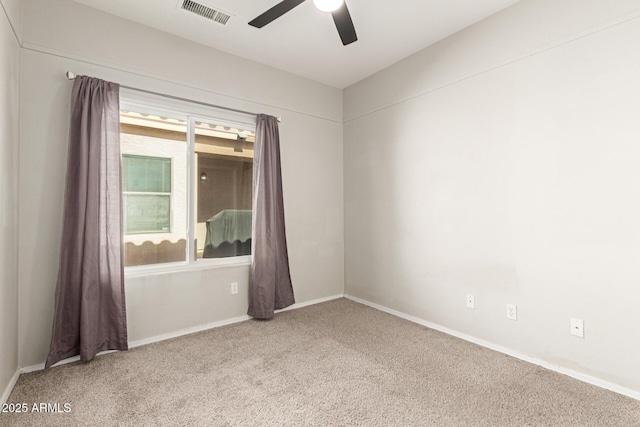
(205, 11)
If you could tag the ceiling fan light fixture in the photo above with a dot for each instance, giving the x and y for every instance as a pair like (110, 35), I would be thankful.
(338, 9)
(328, 5)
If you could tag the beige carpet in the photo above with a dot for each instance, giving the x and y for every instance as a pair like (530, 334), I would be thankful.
(333, 364)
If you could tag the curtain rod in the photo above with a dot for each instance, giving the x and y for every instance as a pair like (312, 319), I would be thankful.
(72, 76)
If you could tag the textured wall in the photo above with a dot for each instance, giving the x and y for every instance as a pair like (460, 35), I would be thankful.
(9, 134)
(119, 50)
(503, 163)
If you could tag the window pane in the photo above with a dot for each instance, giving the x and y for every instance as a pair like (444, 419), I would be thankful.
(147, 213)
(224, 159)
(154, 182)
(146, 174)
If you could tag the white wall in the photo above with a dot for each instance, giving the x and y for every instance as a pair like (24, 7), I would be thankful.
(9, 135)
(61, 36)
(13, 11)
(503, 162)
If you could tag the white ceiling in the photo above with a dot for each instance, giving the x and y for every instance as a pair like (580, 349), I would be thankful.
(305, 41)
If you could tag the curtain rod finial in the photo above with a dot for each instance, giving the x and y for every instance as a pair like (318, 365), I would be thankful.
(71, 75)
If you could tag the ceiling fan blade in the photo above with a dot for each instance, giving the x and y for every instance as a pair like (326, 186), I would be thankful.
(275, 12)
(344, 24)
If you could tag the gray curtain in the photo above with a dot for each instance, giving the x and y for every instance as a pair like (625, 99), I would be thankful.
(89, 302)
(270, 282)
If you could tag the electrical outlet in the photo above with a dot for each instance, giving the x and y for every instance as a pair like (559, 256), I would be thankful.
(234, 288)
(512, 312)
(577, 327)
(471, 302)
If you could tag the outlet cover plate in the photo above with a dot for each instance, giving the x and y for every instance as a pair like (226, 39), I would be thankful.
(512, 312)
(234, 288)
(471, 302)
(577, 327)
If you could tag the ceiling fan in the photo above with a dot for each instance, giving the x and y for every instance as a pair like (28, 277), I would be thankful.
(337, 8)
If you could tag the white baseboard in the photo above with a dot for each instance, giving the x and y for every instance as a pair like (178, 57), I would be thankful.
(182, 332)
(547, 365)
(312, 302)
(187, 331)
(7, 391)
(218, 324)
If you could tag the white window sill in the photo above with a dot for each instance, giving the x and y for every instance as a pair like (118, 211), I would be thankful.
(170, 268)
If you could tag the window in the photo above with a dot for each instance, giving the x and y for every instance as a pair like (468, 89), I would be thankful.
(146, 186)
(187, 185)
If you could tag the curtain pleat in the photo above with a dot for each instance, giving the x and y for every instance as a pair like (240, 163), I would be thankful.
(270, 285)
(90, 313)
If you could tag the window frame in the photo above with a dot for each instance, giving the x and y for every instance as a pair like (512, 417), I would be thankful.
(152, 193)
(190, 112)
